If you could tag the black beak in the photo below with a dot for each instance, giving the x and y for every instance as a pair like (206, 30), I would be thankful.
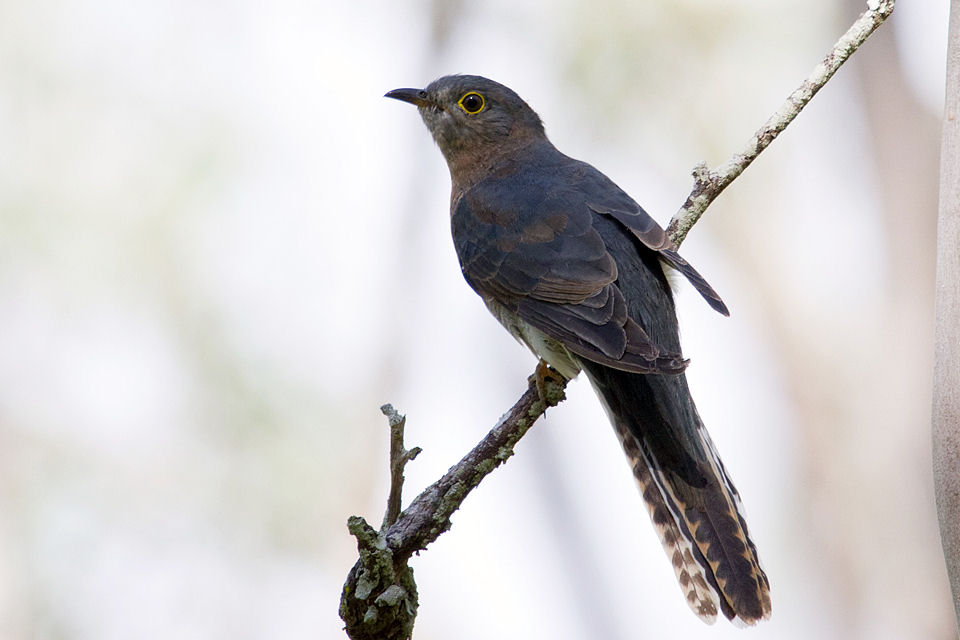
(413, 96)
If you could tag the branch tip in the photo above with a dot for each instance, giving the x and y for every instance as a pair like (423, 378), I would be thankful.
(362, 531)
(399, 457)
(392, 415)
(708, 184)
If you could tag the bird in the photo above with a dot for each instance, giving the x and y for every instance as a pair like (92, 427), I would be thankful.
(576, 270)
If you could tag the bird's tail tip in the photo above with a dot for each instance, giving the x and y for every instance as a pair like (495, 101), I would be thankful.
(715, 561)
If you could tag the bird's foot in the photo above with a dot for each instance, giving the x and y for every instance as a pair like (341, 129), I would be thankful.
(550, 383)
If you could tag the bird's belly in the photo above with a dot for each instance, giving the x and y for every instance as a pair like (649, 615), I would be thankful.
(542, 346)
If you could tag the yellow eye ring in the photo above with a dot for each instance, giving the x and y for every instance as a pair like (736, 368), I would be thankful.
(472, 103)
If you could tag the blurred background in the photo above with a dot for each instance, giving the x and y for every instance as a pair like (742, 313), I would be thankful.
(221, 250)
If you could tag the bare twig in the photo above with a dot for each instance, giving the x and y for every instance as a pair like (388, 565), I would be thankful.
(399, 457)
(709, 183)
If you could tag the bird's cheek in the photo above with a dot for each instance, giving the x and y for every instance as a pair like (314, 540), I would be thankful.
(435, 119)
(444, 128)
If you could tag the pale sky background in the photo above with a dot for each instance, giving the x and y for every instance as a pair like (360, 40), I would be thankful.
(221, 250)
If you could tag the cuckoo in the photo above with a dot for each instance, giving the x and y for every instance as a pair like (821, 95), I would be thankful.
(575, 269)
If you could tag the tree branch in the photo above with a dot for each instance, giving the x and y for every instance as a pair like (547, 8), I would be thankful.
(379, 599)
(429, 515)
(709, 183)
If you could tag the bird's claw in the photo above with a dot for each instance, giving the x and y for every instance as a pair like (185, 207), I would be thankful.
(550, 383)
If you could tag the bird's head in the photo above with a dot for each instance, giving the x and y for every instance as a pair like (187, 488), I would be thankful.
(472, 117)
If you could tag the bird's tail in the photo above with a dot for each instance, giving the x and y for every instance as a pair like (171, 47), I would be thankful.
(693, 504)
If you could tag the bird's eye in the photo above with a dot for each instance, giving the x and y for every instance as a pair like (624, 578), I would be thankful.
(472, 102)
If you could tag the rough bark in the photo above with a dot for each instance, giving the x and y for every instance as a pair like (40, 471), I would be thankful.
(946, 367)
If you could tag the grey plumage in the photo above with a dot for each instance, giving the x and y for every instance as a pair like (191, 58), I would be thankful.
(572, 266)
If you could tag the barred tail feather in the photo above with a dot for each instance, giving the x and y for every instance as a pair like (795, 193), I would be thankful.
(692, 503)
(699, 587)
(736, 507)
(713, 557)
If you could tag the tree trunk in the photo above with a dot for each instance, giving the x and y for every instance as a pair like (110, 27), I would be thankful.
(946, 367)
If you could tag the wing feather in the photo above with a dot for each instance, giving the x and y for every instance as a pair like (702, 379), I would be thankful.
(654, 237)
(557, 276)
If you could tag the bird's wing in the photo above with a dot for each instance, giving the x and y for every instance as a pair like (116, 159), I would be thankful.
(536, 253)
(652, 235)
